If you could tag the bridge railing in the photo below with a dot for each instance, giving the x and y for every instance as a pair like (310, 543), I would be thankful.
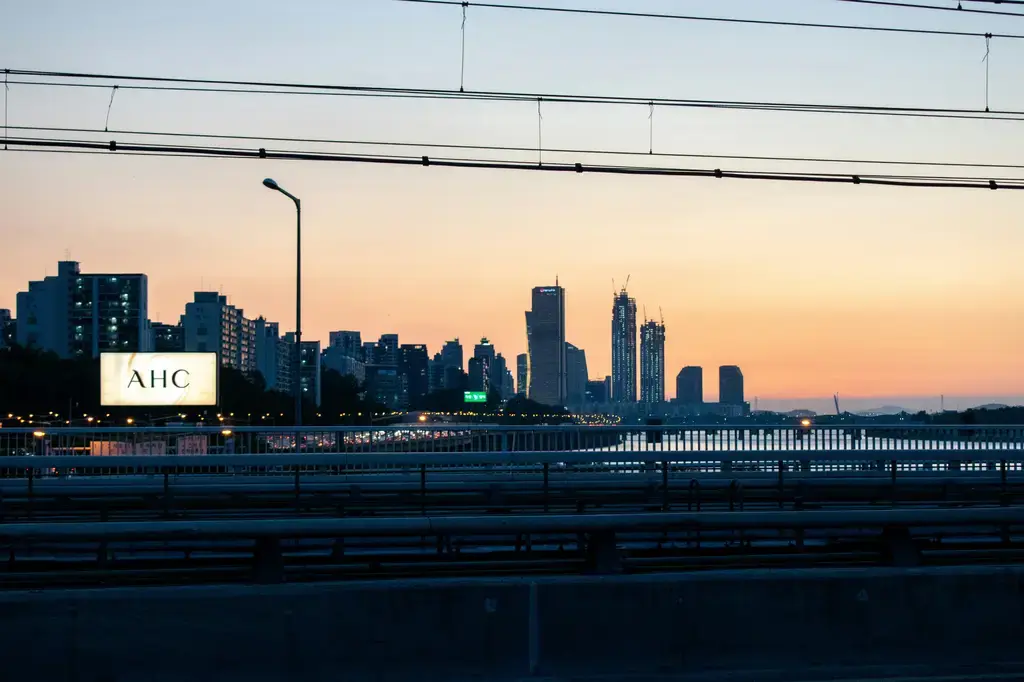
(556, 450)
(434, 437)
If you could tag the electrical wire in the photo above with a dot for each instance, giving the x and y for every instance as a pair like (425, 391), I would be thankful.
(938, 8)
(934, 182)
(520, 149)
(257, 87)
(724, 20)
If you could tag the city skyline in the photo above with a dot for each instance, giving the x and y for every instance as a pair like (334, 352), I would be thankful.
(761, 399)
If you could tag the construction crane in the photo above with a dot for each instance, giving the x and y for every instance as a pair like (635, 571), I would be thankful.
(835, 399)
(661, 314)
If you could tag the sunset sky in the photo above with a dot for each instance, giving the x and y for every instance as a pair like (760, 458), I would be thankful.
(811, 289)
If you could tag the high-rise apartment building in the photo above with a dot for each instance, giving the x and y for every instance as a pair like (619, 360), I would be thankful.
(623, 348)
(309, 368)
(522, 374)
(509, 384)
(435, 373)
(479, 374)
(690, 386)
(344, 355)
(545, 335)
(213, 325)
(413, 366)
(275, 356)
(387, 349)
(452, 363)
(370, 352)
(730, 385)
(384, 385)
(498, 371)
(74, 314)
(652, 363)
(575, 376)
(7, 330)
(168, 338)
(350, 343)
(597, 392)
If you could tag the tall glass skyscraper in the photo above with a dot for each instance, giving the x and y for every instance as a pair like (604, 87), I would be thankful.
(652, 363)
(623, 348)
(545, 336)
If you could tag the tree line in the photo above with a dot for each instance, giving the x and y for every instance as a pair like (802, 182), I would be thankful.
(38, 383)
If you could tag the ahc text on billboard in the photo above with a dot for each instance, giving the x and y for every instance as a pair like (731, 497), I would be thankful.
(158, 379)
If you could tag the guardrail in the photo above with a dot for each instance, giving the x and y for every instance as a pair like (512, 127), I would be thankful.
(672, 450)
(489, 438)
(514, 524)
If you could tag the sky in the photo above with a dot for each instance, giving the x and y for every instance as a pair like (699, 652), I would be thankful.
(875, 293)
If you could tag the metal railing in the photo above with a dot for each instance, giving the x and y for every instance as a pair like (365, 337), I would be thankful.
(685, 449)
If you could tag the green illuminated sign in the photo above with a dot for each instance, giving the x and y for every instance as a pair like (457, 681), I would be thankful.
(474, 397)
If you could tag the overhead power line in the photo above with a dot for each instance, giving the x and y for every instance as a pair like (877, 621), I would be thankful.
(113, 147)
(518, 149)
(937, 8)
(134, 82)
(723, 20)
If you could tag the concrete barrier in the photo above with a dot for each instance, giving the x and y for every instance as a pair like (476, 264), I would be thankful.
(793, 624)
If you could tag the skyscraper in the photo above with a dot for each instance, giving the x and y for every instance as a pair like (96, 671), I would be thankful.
(652, 363)
(497, 370)
(435, 373)
(623, 348)
(730, 385)
(451, 361)
(576, 376)
(521, 373)
(690, 386)
(545, 336)
(597, 392)
(413, 363)
(479, 374)
(484, 349)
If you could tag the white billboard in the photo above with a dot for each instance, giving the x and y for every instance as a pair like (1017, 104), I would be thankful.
(158, 379)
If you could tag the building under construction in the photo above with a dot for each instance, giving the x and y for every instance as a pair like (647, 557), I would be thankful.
(623, 347)
(652, 362)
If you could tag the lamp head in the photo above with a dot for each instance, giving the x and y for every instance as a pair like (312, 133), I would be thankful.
(270, 183)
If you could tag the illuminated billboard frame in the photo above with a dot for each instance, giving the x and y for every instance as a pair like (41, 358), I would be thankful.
(159, 379)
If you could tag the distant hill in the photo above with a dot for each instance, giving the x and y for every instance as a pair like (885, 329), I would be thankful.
(992, 406)
(884, 410)
(800, 413)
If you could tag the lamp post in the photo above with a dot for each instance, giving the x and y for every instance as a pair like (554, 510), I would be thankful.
(271, 184)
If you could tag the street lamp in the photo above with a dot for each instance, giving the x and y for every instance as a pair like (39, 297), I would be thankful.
(271, 184)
